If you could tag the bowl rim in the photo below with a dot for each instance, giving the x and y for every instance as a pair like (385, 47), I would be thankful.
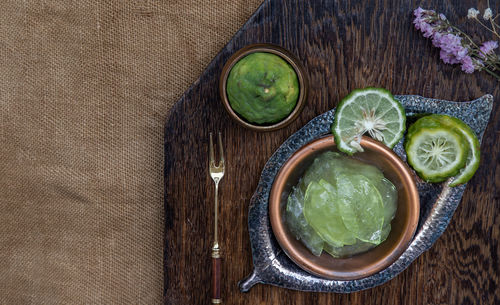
(290, 59)
(279, 228)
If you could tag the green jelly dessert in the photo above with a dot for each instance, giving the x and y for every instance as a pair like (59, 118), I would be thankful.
(298, 225)
(341, 205)
(262, 88)
(323, 214)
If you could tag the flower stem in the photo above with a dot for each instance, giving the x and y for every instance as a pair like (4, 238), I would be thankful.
(494, 22)
(493, 27)
(484, 26)
(495, 64)
(492, 73)
(489, 60)
(465, 35)
(492, 67)
(492, 58)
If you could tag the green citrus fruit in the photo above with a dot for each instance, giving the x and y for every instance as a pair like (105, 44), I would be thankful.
(371, 110)
(473, 156)
(434, 150)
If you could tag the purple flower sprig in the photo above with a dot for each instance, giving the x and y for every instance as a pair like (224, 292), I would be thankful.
(456, 46)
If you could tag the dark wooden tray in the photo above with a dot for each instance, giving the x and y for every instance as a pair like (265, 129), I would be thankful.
(343, 46)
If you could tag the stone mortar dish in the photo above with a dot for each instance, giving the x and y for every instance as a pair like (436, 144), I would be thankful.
(437, 204)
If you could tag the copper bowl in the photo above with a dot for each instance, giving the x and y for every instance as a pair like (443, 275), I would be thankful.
(290, 59)
(361, 265)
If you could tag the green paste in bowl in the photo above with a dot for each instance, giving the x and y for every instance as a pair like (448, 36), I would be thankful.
(262, 88)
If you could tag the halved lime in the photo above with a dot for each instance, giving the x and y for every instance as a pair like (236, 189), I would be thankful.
(435, 151)
(473, 156)
(371, 110)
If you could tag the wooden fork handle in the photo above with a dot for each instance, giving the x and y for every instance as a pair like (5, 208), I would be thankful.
(216, 280)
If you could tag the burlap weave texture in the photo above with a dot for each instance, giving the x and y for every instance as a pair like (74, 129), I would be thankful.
(85, 87)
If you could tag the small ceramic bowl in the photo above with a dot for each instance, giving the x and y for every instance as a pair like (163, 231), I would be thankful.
(289, 58)
(364, 264)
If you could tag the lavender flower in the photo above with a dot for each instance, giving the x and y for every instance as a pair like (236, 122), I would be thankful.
(451, 44)
(448, 58)
(421, 22)
(488, 47)
(456, 47)
(418, 12)
(467, 64)
(434, 26)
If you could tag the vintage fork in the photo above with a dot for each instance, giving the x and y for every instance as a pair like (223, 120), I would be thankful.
(216, 172)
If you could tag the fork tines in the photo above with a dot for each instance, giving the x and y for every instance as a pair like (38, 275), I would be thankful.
(212, 154)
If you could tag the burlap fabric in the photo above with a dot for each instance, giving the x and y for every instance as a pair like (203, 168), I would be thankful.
(85, 87)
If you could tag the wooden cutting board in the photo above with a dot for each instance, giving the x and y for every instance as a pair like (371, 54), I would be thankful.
(343, 45)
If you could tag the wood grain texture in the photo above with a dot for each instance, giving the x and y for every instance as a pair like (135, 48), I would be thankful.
(343, 45)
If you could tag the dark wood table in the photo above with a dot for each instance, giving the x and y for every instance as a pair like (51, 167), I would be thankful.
(343, 45)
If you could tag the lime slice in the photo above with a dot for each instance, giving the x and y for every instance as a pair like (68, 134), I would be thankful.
(473, 156)
(321, 213)
(370, 110)
(434, 151)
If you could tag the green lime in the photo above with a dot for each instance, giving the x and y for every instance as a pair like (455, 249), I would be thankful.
(435, 151)
(473, 156)
(370, 110)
